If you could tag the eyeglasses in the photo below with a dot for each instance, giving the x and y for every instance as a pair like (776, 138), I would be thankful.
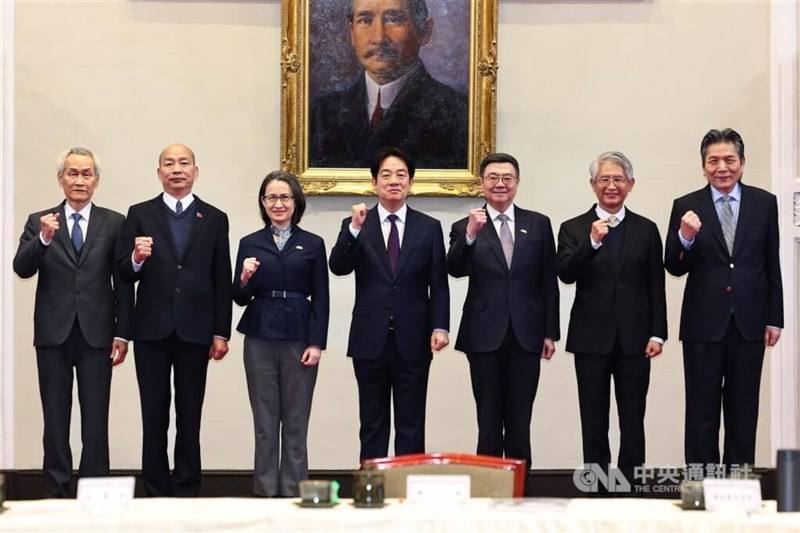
(616, 180)
(507, 179)
(272, 199)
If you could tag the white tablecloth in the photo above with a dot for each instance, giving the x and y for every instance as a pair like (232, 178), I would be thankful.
(240, 514)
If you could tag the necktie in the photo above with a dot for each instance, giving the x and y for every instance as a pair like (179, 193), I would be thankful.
(727, 222)
(77, 232)
(505, 238)
(377, 113)
(613, 221)
(178, 208)
(393, 244)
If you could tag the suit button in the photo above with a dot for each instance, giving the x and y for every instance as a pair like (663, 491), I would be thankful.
(180, 267)
(731, 265)
(728, 289)
(177, 290)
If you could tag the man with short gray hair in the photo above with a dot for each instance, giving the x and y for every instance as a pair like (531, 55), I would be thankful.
(82, 317)
(619, 316)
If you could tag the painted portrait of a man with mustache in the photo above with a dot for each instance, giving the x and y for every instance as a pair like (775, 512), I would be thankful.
(393, 100)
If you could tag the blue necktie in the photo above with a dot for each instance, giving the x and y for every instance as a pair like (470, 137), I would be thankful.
(178, 208)
(77, 232)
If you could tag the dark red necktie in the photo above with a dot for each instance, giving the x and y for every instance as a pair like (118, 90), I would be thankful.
(377, 113)
(393, 244)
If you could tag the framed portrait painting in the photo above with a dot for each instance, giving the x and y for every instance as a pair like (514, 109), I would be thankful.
(361, 75)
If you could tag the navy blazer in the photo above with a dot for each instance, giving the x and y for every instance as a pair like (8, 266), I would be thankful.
(526, 295)
(629, 302)
(416, 299)
(71, 284)
(747, 282)
(190, 294)
(299, 268)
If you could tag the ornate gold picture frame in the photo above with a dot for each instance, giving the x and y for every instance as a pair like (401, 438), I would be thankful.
(321, 70)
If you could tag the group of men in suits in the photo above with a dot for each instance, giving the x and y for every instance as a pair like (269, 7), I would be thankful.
(175, 246)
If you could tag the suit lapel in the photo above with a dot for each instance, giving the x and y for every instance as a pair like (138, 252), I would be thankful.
(157, 209)
(490, 234)
(708, 216)
(405, 245)
(62, 235)
(743, 220)
(198, 224)
(96, 221)
(603, 254)
(354, 117)
(631, 242)
(522, 227)
(372, 225)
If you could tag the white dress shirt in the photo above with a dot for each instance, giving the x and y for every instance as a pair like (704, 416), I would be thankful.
(68, 212)
(389, 91)
(602, 214)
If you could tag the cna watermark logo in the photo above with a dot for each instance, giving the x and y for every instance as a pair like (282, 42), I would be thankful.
(592, 477)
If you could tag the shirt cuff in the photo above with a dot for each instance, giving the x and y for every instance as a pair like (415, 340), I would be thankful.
(686, 243)
(220, 337)
(659, 340)
(44, 242)
(595, 245)
(354, 232)
(136, 266)
(470, 241)
(442, 331)
(775, 328)
(120, 339)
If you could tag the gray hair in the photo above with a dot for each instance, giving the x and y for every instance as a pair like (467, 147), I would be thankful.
(61, 162)
(611, 157)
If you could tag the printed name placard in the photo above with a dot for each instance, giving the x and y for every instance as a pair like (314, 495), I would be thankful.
(437, 489)
(739, 495)
(100, 495)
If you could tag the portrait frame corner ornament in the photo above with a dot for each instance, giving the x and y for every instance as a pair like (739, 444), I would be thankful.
(296, 109)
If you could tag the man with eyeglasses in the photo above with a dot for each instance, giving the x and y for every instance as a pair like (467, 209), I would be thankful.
(402, 307)
(619, 317)
(510, 319)
(725, 237)
(82, 318)
(176, 247)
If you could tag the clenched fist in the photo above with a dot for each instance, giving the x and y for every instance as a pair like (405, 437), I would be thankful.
(359, 215)
(48, 226)
(690, 225)
(143, 248)
(599, 230)
(477, 219)
(249, 267)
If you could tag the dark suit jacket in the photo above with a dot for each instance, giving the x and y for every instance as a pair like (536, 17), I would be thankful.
(71, 285)
(629, 302)
(190, 295)
(416, 299)
(300, 267)
(748, 282)
(427, 119)
(527, 295)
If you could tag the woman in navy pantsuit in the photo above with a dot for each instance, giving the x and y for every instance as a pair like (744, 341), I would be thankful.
(282, 278)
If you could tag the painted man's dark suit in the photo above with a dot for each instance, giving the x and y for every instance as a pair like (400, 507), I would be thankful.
(393, 318)
(728, 301)
(81, 305)
(182, 302)
(619, 305)
(507, 315)
(428, 120)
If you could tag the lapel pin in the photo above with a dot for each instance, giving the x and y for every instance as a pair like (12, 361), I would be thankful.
(199, 214)
(299, 247)
(523, 230)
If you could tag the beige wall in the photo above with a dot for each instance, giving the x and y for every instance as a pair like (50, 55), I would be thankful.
(126, 78)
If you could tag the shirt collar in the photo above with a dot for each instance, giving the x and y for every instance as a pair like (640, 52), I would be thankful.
(389, 91)
(171, 201)
(602, 214)
(494, 213)
(85, 212)
(735, 194)
(401, 213)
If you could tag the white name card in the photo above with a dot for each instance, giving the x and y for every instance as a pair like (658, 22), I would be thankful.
(437, 489)
(732, 495)
(103, 495)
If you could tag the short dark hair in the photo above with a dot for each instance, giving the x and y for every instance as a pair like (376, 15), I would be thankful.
(499, 157)
(417, 8)
(294, 186)
(728, 135)
(386, 153)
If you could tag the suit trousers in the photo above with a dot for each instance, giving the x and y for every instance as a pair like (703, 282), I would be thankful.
(188, 364)
(391, 380)
(722, 375)
(281, 390)
(631, 375)
(504, 384)
(93, 372)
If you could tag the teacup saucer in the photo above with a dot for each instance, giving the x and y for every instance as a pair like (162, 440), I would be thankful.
(312, 505)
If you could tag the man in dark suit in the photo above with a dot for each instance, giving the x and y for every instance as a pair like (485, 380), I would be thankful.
(619, 317)
(176, 247)
(510, 318)
(402, 306)
(394, 102)
(82, 314)
(725, 236)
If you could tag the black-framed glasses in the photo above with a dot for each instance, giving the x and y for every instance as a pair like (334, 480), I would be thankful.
(507, 179)
(272, 199)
